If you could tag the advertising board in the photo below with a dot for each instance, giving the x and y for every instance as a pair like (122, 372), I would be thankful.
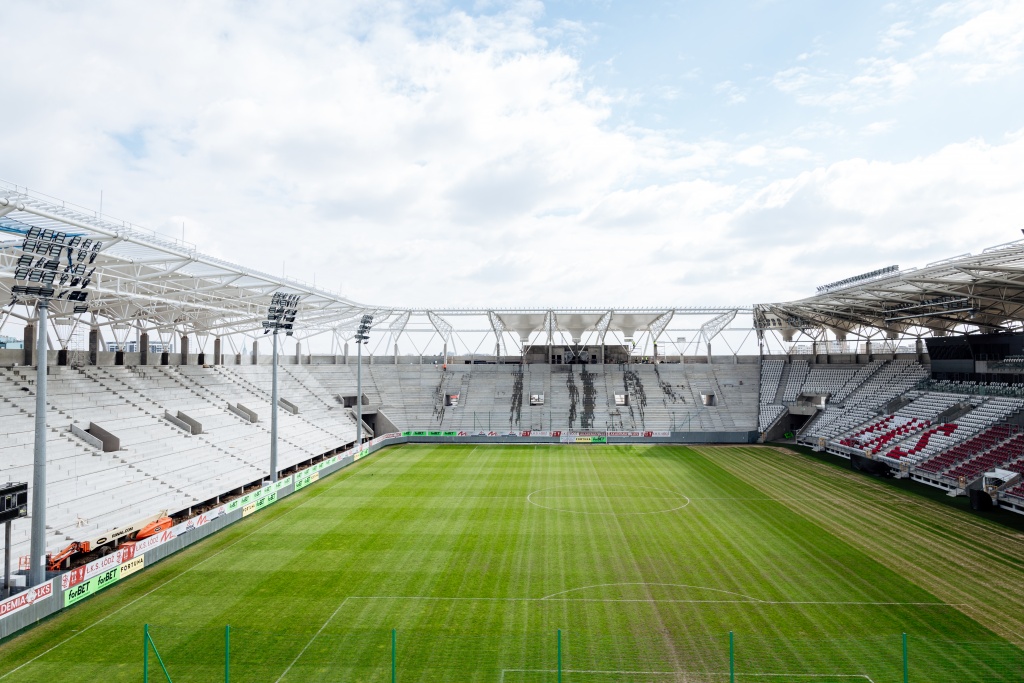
(25, 599)
(584, 439)
(103, 579)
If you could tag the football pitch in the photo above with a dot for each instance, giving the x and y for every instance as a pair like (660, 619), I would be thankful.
(565, 564)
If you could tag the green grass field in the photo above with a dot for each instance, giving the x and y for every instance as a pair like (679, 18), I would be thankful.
(645, 558)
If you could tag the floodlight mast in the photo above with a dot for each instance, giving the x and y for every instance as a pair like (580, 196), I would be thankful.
(42, 261)
(37, 543)
(280, 316)
(362, 335)
(273, 415)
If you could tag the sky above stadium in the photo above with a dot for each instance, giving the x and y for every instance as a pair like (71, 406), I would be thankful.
(570, 153)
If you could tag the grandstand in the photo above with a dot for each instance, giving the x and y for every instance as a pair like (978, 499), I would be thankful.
(931, 390)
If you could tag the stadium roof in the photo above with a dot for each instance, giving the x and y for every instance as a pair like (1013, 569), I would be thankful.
(960, 295)
(148, 281)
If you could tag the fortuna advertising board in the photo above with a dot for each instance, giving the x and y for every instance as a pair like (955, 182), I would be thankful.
(25, 599)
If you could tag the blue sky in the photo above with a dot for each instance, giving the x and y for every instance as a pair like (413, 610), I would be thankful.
(532, 153)
(723, 70)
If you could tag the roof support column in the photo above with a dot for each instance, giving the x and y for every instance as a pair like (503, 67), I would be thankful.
(144, 348)
(29, 344)
(94, 345)
(184, 349)
(216, 351)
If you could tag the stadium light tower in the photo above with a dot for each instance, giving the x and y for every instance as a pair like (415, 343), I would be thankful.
(280, 316)
(362, 336)
(55, 266)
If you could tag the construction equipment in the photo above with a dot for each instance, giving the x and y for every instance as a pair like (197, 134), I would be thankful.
(107, 542)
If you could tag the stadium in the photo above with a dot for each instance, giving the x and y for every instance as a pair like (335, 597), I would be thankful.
(584, 495)
(512, 341)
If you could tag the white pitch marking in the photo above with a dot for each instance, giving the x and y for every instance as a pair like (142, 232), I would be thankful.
(752, 601)
(680, 673)
(644, 583)
(303, 651)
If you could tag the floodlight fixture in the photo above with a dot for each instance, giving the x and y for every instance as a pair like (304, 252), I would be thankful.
(281, 313)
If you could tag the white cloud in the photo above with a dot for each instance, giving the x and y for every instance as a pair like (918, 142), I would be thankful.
(851, 216)
(878, 127)
(986, 43)
(989, 44)
(878, 81)
(894, 37)
(450, 158)
(732, 93)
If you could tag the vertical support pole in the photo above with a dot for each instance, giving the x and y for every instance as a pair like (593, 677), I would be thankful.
(37, 567)
(227, 654)
(559, 655)
(273, 417)
(29, 340)
(7, 559)
(359, 394)
(145, 653)
(94, 345)
(906, 661)
(394, 657)
(732, 658)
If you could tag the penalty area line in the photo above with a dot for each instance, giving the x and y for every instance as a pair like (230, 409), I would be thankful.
(823, 677)
(656, 600)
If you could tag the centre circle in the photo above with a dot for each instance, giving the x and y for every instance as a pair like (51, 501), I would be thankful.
(608, 499)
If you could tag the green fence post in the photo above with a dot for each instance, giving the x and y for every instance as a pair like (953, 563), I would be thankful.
(227, 653)
(559, 655)
(159, 659)
(906, 668)
(732, 659)
(394, 638)
(145, 653)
